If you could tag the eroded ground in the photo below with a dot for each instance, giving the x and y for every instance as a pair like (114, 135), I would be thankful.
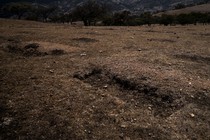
(71, 82)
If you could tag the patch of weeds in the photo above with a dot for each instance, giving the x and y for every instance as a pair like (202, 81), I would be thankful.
(29, 50)
(194, 58)
(57, 52)
(32, 46)
(162, 40)
(85, 40)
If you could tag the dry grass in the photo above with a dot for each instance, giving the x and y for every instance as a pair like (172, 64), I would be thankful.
(204, 8)
(109, 83)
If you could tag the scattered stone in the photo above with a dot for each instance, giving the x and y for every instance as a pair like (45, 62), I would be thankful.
(192, 115)
(190, 83)
(51, 71)
(103, 95)
(106, 86)
(100, 51)
(121, 136)
(139, 50)
(149, 108)
(7, 121)
(150, 134)
(123, 126)
(83, 54)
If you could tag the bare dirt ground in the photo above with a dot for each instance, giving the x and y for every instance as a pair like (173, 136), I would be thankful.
(73, 82)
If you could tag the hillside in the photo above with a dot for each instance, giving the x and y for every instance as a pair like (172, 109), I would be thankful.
(204, 8)
(116, 5)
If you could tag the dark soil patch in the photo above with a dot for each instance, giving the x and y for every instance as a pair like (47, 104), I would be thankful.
(30, 50)
(145, 133)
(85, 40)
(162, 40)
(152, 31)
(194, 58)
(201, 99)
(205, 34)
(32, 46)
(57, 52)
(164, 103)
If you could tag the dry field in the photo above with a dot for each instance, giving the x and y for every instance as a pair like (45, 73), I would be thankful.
(72, 82)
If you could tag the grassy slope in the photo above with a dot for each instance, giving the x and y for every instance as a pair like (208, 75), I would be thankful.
(205, 8)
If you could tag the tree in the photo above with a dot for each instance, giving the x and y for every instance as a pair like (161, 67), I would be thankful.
(17, 9)
(166, 20)
(43, 12)
(147, 18)
(179, 6)
(90, 12)
(122, 18)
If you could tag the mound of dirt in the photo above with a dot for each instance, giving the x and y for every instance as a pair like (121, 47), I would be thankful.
(30, 50)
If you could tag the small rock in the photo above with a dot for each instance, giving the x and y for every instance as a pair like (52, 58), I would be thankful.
(103, 95)
(7, 121)
(150, 134)
(83, 54)
(132, 37)
(192, 115)
(149, 108)
(123, 126)
(139, 50)
(51, 71)
(106, 86)
(100, 51)
(190, 83)
(121, 136)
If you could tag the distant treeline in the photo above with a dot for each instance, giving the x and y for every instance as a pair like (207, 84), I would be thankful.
(125, 19)
(92, 13)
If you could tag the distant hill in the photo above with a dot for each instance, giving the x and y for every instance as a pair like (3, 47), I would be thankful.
(204, 8)
(116, 5)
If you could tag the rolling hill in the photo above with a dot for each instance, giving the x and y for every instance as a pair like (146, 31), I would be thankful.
(204, 8)
(116, 5)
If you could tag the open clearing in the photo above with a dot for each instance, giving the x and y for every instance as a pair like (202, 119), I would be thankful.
(72, 82)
